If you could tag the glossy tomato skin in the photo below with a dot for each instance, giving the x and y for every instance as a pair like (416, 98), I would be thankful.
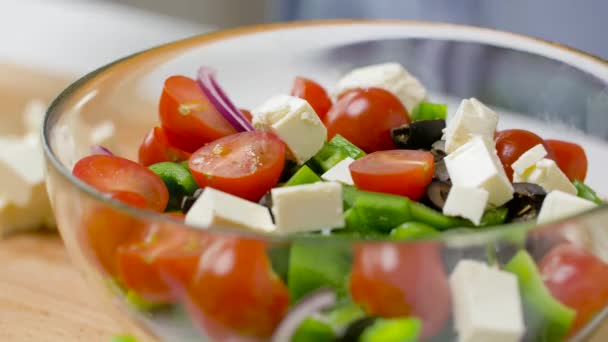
(400, 172)
(156, 148)
(512, 143)
(166, 254)
(571, 159)
(246, 164)
(104, 229)
(578, 279)
(187, 115)
(113, 174)
(235, 291)
(313, 93)
(365, 118)
(395, 280)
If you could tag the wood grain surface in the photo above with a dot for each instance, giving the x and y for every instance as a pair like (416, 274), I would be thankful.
(42, 296)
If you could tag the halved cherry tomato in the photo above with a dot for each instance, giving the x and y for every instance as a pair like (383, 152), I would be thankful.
(246, 164)
(103, 229)
(165, 251)
(400, 172)
(112, 174)
(365, 117)
(578, 279)
(314, 93)
(571, 159)
(394, 280)
(235, 288)
(512, 143)
(188, 116)
(156, 148)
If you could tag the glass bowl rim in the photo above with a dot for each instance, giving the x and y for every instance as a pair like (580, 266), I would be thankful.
(478, 235)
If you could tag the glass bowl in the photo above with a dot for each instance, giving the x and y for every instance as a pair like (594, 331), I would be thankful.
(233, 295)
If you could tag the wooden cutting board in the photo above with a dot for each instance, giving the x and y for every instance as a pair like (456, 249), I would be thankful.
(42, 296)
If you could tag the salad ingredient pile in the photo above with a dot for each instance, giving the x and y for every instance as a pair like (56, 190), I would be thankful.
(375, 161)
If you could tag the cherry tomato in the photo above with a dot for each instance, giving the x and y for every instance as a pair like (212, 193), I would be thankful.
(165, 251)
(400, 172)
(235, 288)
(313, 93)
(103, 229)
(512, 143)
(365, 117)
(578, 279)
(156, 148)
(188, 116)
(571, 159)
(246, 164)
(112, 174)
(394, 280)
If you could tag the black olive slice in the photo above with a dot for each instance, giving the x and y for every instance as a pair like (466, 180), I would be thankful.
(418, 135)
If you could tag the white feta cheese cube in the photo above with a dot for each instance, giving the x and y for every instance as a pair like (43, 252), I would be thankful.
(472, 119)
(466, 202)
(486, 303)
(340, 172)
(35, 214)
(529, 158)
(33, 116)
(558, 205)
(217, 209)
(21, 168)
(476, 165)
(308, 207)
(389, 76)
(295, 122)
(548, 175)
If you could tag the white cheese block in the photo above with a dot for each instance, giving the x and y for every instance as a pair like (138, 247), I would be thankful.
(472, 119)
(295, 122)
(486, 303)
(35, 214)
(21, 169)
(476, 165)
(548, 175)
(389, 76)
(217, 209)
(33, 116)
(558, 205)
(308, 207)
(340, 172)
(528, 159)
(466, 202)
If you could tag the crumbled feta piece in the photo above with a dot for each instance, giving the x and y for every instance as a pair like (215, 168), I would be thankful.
(476, 165)
(466, 202)
(308, 207)
(548, 175)
(340, 172)
(35, 214)
(472, 119)
(528, 159)
(389, 76)
(487, 304)
(558, 205)
(21, 168)
(217, 209)
(295, 122)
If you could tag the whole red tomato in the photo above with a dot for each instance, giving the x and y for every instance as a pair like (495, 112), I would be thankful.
(365, 118)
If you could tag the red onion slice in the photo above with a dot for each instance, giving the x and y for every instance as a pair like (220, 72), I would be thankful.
(219, 99)
(98, 149)
(311, 304)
